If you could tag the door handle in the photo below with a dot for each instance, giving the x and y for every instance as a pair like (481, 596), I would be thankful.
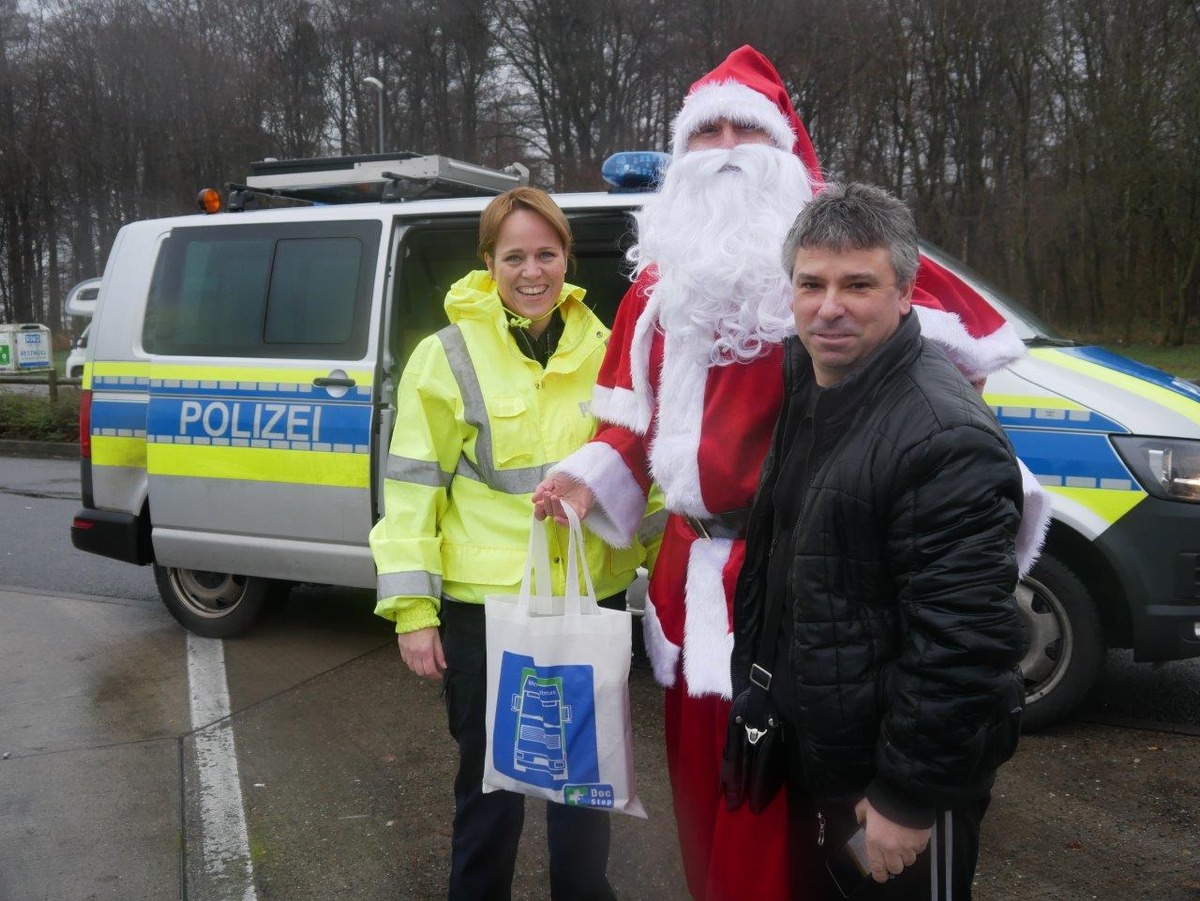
(333, 382)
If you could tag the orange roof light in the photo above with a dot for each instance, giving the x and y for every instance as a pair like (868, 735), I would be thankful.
(209, 200)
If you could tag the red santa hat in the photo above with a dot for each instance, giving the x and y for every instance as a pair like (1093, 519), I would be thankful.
(745, 88)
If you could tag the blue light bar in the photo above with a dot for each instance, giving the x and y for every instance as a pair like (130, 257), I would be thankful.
(635, 170)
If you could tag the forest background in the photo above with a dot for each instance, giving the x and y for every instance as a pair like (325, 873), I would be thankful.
(1053, 145)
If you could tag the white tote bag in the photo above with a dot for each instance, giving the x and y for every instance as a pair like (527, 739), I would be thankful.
(558, 722)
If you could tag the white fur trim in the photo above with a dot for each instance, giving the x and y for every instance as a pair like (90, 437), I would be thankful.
(707, 641)
(734, 101)
(663, 654)
(1034, 523)
(639, 358)
(621, 406)
(674, 453)
(975, 358)
(619, 503)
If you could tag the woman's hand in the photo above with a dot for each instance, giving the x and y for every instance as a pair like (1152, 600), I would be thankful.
(557, 490)
(890, 846)
(422, 652)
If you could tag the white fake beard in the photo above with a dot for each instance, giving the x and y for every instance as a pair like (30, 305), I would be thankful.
(715, 233)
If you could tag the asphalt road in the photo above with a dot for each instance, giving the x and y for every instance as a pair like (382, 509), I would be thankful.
(345, 765)
(38, 497)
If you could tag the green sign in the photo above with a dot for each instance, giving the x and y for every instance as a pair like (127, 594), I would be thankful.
(5, 352)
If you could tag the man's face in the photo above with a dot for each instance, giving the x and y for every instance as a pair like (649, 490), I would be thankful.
(723, 134)
(846, 304)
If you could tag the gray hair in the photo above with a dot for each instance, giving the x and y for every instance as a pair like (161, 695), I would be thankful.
(856, 217)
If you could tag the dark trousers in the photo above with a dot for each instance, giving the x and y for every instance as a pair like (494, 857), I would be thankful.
(942, 872)
(487, 826)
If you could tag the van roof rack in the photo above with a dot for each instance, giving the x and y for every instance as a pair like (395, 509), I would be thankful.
(369, 178)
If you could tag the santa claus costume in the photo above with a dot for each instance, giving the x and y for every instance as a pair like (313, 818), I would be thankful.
(690, 403)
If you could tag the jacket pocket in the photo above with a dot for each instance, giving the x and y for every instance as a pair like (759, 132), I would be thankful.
(513, 432)
(494, 566)
(996, 742)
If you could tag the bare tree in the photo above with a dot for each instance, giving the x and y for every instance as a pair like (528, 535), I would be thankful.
(585, 70)
(1055, 144)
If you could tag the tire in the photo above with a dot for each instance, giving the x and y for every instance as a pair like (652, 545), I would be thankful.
(1066, 643)
(211, 604)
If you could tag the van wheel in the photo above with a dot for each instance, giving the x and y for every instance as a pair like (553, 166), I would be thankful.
(1066, 643)
(215, 605)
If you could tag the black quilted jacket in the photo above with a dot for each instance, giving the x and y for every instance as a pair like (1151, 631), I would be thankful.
(907, 633)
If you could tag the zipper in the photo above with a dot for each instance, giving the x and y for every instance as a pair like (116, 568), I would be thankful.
(820, 829)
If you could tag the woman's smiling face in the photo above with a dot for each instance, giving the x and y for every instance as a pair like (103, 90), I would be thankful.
(529, 266)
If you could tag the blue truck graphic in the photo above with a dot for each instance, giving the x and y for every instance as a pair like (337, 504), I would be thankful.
(544, 732)
(541, 725)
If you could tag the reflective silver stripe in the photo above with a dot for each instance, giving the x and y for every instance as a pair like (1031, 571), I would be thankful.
(510, 481)
(483, 469)
(652, 526)
(467, 469)
(410, 584)
(417, 472)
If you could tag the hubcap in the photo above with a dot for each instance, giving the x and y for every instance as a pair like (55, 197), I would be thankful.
(1051, 641)
(208, 593)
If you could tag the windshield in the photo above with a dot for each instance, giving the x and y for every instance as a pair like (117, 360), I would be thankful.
(1028, 327)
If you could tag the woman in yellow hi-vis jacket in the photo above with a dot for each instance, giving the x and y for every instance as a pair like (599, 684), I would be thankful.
(484, 408)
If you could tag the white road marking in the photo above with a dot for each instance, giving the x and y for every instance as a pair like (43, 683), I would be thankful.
(225, 845)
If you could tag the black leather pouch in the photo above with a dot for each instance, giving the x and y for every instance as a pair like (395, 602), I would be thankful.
(753, 767)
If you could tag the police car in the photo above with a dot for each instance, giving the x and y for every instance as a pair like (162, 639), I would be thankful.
(239, 391)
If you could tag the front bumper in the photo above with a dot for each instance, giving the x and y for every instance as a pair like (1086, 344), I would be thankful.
(1155, 550)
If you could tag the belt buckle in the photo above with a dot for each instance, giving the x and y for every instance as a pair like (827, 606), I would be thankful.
(760, 677)
(698, 527)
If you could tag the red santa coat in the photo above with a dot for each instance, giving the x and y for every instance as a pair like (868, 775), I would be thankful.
(703, 438)
(701, 432)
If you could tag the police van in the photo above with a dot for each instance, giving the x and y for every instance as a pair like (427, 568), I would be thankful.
(238, 398)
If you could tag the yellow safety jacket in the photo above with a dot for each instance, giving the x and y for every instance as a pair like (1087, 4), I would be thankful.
(478, 424)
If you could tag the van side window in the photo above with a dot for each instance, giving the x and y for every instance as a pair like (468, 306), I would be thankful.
(311, 299)
(264, 290)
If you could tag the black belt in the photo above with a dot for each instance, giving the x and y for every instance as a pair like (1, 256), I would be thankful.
(720, 525)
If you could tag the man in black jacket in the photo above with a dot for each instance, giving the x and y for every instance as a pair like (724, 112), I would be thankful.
(885, 523)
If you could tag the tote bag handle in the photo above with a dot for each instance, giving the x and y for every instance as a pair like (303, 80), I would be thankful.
(537, 569)
(576, 552)
(536, 587)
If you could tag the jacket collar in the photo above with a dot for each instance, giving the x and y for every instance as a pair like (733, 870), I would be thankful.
(475, 296)
(848, 395)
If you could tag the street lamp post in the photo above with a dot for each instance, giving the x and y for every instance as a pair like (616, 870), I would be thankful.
(378, 86)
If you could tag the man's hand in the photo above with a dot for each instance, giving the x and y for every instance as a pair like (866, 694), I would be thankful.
(422, 652)
(890, 846)
(557, 490)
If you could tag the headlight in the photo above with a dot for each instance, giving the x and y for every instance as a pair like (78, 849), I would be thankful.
(1166, 467)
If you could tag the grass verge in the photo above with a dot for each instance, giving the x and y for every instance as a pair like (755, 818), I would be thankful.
(1181, 361)
(31, 418)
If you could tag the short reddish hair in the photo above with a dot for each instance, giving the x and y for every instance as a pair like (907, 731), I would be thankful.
(533, 199)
